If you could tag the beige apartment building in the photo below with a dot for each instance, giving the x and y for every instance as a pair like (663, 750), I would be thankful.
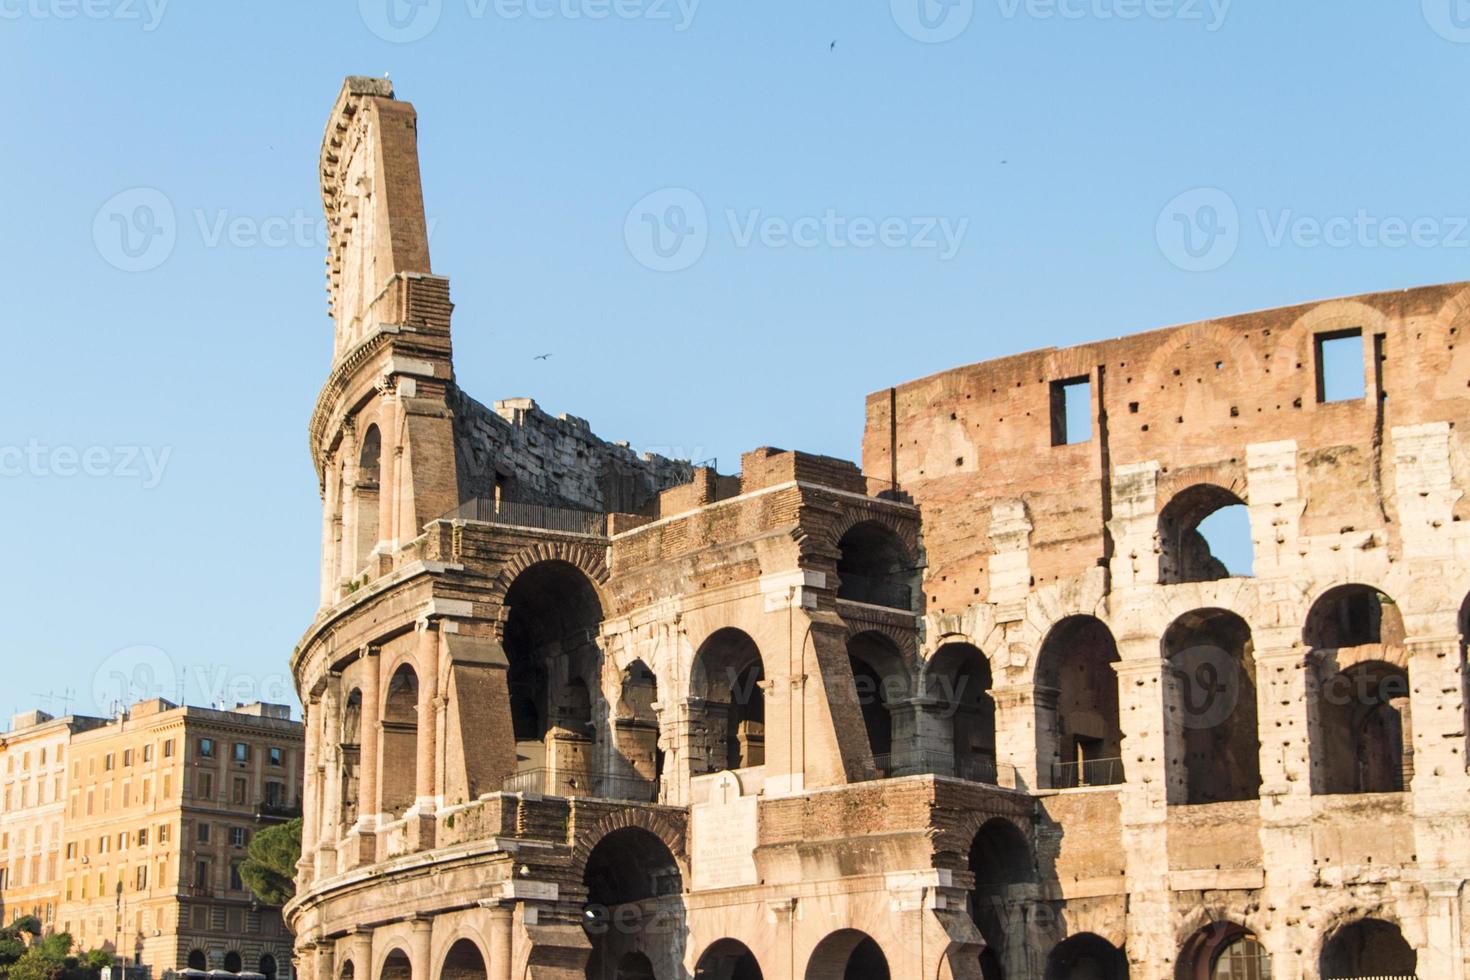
(32, 801)
(130, 833)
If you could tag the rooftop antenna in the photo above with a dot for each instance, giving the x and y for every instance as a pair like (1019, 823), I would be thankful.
(66, 697)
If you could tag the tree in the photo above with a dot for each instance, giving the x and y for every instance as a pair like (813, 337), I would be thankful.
(270, 865)
(12, 945)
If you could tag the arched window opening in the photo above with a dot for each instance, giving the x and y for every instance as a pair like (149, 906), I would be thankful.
(400, 741)
(464, 962)
(881, 683)
(1210, 709)
(1223, 951)
(366, 493)
(350, 757)
(1368, 948)
(1366, 734)
(728, 959)
(397, 967)
(874, 568)
(727, 678)
(639, 759)
(1086, 957)
(1353, 616)
(847, 955)
(551, 630)
(958, 679)
(1000, 860)
(634, 912)
(233, 963)
(1078, 736)
(268, 967)
(1204, 535)
(348, 971)
(198, 961)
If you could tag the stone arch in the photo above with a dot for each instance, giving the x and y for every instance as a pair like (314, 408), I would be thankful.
(1367, 947)
(267, 966)
(875, 565)
(634, 914)
(1201, 952)
(905, 531)
(1184, 553)
(637, 758)
(1079, 734)
(233, 962)
(395, 965)
(398, 743)
(847, 954)
(657, 824)
(725, 679)
(198, 960)
(1086, 956)
(586, 559)
(1211, 735)
(465, 959)
(728, 959)
(882, 685)
(958, 677)
(1352, 614)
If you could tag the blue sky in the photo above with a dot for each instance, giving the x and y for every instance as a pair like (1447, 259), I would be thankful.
(1102, 167)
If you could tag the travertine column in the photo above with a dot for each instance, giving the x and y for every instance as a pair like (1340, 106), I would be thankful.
(1144, 799)
(324, 961)
(1015, 732)
(329, 758)
(428, 729)
(310, 790)
(368, 805)
(361, 944)
(421, 946)
(500, 943)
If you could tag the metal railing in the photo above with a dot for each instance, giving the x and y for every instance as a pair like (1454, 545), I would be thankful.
(875, 591)
(530, 515)
(1092, 772)
(986, 771)
(575, 783)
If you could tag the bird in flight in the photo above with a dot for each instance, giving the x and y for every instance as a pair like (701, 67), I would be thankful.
(832, 46)
(542, 357)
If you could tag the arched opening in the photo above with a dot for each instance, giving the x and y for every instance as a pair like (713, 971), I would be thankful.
(725, 680)
(348, 971)
(400, 741)
(198, 961)
(233, 963)
(1204, 535)
(464, 962)
(551, 631)
(874, 568)
(1001, 860)
(397, 967)
(1365, 729)
(1210, 709)
(366, 493)
(881, 685)
(268, 967)
(1086, 957)
(1078, 737)
(1223, 951)
(958, 680)
(847, 955)
(728, 959)
(1368, 948)
(639, 761)
(634, 913)
(1353, 616)
(350, 758)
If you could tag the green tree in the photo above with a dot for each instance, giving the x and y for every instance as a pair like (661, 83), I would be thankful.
(12, 943)
(270, 865)
(36, 964)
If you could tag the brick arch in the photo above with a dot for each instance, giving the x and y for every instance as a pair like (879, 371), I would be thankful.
(907, 532)
(394, 946)
(660, 825)
(1239, 361)
(587, 560)
(960, 836)
(904, 639)
(1227, 476)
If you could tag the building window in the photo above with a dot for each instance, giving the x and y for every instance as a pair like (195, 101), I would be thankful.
(107, 762)
(201, 874)
(203, 833)
(148, 752)
(168, 748)
(206, 786)
(275, 794)
(235, 883)
(206, 748)
(1340, 366)
(1071, 411)
(127, 757)
(237, 836)
(141, 883)
(277, 756)
(143, 837)
(242, 752)
(163, 833)
(241, 788)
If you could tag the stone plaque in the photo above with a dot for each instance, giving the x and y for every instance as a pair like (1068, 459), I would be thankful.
(722, 837)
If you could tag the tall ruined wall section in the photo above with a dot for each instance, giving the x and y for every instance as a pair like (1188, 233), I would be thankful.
(1207, 403)
(530, 456)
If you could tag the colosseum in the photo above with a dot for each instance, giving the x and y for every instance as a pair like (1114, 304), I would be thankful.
(986, 706)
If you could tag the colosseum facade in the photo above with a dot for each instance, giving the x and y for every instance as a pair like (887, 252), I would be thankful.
(987, 706)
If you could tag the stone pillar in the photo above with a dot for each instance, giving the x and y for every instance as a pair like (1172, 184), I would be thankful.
(368, 805)
(428, 729)
(421, 945)
(310, 790)
(360, 942)
(1015, 733)
(934, 734)
(331, 528)
(324, 961)
(500, 943)
(329, 759)
(1286, 692)
(1443, 954)
(1144, 800)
